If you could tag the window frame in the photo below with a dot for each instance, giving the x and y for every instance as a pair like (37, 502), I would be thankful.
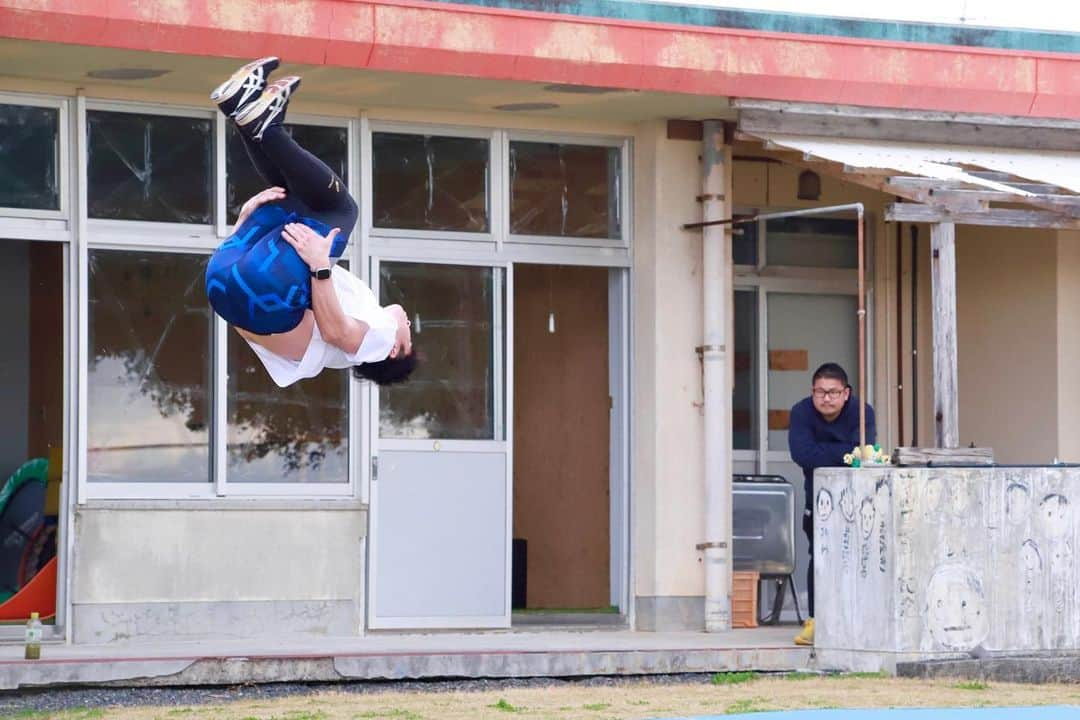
(623, 145)
(452, 131)
(762, 279)
(198, 239)
(51, 224)
(496, 247)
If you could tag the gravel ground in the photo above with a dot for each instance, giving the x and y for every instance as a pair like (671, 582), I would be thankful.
(53, 700)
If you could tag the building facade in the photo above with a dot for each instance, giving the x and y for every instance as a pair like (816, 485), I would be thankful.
(523, 172)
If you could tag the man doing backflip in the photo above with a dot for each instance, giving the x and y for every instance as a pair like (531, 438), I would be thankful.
(275, 278)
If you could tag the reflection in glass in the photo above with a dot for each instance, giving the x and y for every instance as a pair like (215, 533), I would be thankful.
(149, 167)
(744, 244)
(745, 393)
(564, 190)
(426, 182)
(822, 326)
(812, 242)
(29, 157)
(329, 144)
(297, 434)
(32, 356)
(452, 392)
(148, 381)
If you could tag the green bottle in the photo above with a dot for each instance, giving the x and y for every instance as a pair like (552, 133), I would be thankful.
(33, 637)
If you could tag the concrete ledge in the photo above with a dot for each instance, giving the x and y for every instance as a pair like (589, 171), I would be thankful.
(151, 672)
(659, 613)
(403, 656)
(1017, 668)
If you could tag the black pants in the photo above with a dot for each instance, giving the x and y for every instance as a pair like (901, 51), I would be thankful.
(312, 188)
(808, 528)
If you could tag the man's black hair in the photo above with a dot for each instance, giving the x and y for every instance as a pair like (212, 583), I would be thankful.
(387, 372)
(830, 371)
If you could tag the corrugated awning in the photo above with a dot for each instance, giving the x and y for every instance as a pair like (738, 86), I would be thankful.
(952, 183)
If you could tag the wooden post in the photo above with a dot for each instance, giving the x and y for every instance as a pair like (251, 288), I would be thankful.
(943, 276)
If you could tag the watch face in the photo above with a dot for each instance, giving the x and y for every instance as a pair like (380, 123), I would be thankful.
(321, 274)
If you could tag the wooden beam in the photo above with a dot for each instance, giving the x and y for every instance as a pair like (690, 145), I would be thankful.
(966, 200)
(943, 290)
(919, 181)
(915, 212)
(848, 125)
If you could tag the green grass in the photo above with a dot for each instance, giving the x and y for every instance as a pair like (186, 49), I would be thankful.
(801, 676)
(972, 685)
(861, 675)
(733, 678)
(606, 610)
(596, 706)
(389, 713)
(751, 705)
(505, 706)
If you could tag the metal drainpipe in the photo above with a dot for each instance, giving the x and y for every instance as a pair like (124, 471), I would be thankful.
(717, 285)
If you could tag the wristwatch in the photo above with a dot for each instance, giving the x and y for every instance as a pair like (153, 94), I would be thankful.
(321, 273)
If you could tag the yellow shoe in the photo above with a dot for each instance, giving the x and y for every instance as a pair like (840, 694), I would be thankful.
(806, 636)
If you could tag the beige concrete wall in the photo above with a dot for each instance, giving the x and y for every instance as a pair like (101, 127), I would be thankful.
(145, 555)
(667, 300)
(1007, 341)
(1068, 345)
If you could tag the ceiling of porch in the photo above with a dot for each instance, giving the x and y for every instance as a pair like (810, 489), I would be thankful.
(193, 77)
(1016, 176)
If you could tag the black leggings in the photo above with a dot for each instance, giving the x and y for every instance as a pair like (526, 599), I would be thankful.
(312, 188)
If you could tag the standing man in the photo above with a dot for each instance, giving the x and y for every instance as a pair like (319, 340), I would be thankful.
(824, 427)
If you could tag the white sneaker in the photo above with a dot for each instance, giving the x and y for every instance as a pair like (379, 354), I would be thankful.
(269, 109)
(245, 85)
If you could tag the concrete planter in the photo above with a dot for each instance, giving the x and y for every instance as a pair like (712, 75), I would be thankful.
(923, 563)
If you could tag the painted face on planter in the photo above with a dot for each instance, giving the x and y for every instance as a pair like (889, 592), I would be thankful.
(1054, 513)
(959, 496)
(932, 495)
(1032, 558)
(824, 505)
(956, 608)
(847, 504)
(866, 517)
(1017, 503)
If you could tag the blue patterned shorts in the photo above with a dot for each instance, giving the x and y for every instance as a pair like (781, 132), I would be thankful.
(256, 281)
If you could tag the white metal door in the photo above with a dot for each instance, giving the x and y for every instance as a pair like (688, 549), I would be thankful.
(440, 493)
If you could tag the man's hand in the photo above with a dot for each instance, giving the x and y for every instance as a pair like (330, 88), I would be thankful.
(313, 248)
(268, 195)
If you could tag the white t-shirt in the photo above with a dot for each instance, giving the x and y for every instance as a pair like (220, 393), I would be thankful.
(357, 301)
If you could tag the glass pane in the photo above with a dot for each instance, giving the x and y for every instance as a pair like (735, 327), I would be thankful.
(564, 190)
(32, 366)
(812, 242)
(329, 144)
(148, 384)
(298, 434)
(744, 243)
(804, 332)
(149, 167)
(425, 182)
(29, 157)
(452, 392)
(744, 404)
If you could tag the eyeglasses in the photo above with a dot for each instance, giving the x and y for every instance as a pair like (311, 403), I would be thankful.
(833, 394)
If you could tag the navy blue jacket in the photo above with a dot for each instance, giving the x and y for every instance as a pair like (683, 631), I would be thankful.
(815, 443)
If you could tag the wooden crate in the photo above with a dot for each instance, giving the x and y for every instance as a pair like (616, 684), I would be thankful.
(744, 599)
